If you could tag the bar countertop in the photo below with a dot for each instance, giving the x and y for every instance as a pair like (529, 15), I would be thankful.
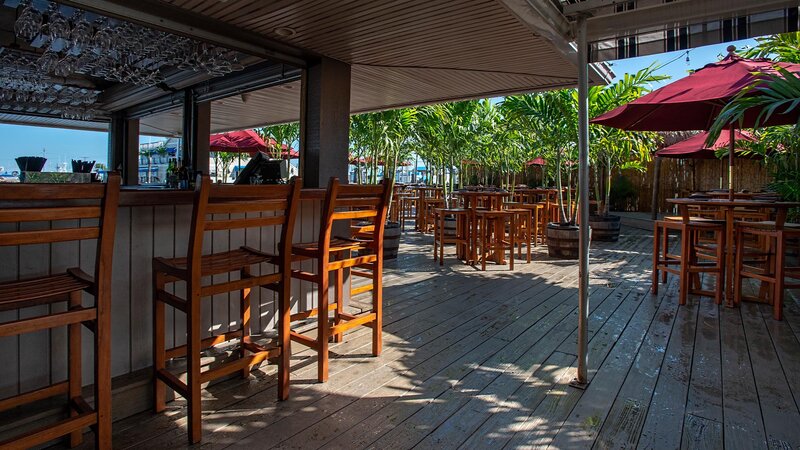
(147, 196)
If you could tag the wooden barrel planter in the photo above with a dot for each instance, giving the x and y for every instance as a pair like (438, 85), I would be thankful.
(563, 241)
(391, 240)
(605, 228)
(450, 226)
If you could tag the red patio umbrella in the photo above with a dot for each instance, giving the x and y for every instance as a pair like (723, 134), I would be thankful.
(237, 141)
(536, 162)
(695, 147)
(693, 102)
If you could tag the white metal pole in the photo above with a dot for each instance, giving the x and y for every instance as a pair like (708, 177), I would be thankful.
(583, 208)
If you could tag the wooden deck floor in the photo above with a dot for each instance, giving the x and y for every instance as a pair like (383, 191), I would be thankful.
(483, 360)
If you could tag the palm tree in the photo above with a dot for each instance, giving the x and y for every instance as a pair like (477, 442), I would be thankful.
(612, 148)
(160, 150)
(548, 120)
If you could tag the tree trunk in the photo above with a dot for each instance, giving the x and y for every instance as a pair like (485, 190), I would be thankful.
(656, 182)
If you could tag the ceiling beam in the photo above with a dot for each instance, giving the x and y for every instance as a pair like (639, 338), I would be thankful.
(676, 14)
(546, 20)
(588, 6)
(259, 76)
(161, 16)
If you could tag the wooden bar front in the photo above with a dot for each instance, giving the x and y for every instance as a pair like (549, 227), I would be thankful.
(150, 223)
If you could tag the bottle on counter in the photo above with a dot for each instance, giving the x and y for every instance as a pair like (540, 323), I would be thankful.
(183, 177)
(172, 174)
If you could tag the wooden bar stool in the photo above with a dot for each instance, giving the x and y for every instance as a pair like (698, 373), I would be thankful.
(430, 205)
(459, 238)
(695, 260)
(492, 236)
(408, 204)
(334, 254)
(276, 206)
(769, 265)
(664, 262)
(523, 231)
(94, 207)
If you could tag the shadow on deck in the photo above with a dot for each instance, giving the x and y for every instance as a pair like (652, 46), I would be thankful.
(483, 360)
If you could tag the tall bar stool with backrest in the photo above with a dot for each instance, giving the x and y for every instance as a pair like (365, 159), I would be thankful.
(276, 206)
(693, 259)
(334, 254)
(84, 203)
(767, 264)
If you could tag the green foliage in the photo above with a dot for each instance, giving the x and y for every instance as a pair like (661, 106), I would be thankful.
(622, 193)
(612, 148)
(222, 164)
(781, 47)
(284, 134)
(771, 94)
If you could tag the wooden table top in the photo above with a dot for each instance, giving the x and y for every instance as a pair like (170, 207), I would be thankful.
(735, 203)
(481, 193)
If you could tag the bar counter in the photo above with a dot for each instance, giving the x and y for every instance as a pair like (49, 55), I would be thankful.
(151, 222)
(145, 196)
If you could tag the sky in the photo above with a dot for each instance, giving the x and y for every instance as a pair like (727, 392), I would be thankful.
(59, 145)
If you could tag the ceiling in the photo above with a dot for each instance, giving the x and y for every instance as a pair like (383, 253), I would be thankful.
(402, 53)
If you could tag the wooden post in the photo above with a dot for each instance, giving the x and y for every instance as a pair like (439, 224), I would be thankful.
(656, 183)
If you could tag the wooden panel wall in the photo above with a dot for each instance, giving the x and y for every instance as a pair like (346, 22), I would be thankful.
(33, 360)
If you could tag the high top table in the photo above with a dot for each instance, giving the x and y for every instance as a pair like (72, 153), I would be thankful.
(494, 200)
(727, 207)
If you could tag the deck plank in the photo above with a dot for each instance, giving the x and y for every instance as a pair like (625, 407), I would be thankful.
(743, 426)
(483, 360)
(781, 417)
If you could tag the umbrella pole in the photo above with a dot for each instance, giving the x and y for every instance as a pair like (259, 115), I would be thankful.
(730, 164)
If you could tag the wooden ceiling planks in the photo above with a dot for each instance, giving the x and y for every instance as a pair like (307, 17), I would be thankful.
(423, 33)
(374, 88)
(403, 53)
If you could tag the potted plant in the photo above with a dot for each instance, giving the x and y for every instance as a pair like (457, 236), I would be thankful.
(614, 149)
(549, 119)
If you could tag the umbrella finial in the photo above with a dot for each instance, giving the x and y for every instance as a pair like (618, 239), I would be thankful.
(731, 49)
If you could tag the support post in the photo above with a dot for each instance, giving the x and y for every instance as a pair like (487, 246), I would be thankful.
(325, 122)
(202, 138)
(325, 132)
(656, 188)
(189, 133)
(123, 148)
(582, 379)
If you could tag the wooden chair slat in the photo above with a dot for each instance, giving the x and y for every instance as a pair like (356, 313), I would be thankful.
(359, 190)
(363, 214)
(241, 192)
(246, 206)
(44, 214)
(254, 222)
(358, 202)
(27, 192)
(47, 236)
